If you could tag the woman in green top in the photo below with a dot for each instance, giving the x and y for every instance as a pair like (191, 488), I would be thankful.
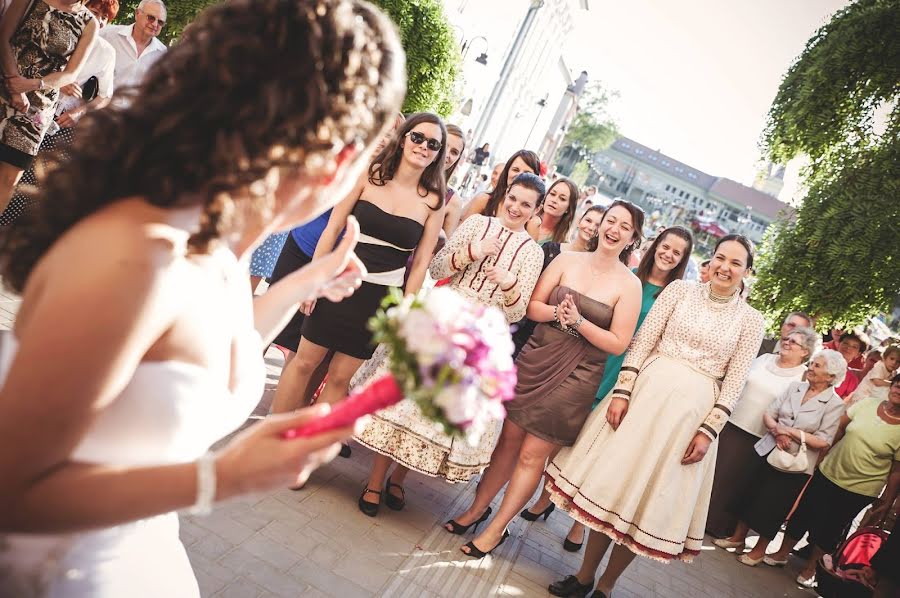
(664, 261)
(864, 462)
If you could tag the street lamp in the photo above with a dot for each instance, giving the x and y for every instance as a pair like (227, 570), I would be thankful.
(482, 58)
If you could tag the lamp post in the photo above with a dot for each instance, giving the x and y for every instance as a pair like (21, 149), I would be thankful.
(542, 103)
(467, 45)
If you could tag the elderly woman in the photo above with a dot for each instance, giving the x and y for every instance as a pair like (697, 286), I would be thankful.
(769, 377)
(863, 465)
(807, 412)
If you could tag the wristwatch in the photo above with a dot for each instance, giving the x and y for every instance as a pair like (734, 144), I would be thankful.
(578, 322)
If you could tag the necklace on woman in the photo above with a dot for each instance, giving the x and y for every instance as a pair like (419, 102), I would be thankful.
(884, 409)
(719, 298)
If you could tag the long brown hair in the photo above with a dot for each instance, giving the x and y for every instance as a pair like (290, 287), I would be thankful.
(384, 165)
(499, 192)
(677, 273)
(637, 220)
(561, 232)
(285, 84)
(456, 131)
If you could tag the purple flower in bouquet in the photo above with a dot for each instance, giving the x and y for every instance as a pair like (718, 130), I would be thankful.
(451, 356)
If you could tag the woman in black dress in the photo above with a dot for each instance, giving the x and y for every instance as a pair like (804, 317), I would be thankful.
(400, 212)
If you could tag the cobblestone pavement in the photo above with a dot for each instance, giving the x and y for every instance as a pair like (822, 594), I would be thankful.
(315, 542)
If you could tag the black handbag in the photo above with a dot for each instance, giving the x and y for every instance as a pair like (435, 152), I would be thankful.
(90, 89)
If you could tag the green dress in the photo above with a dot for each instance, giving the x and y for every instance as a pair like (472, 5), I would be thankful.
(614, 362)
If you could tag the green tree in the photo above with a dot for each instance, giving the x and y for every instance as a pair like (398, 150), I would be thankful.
(179, 14)
(592, 130)
(432, 57)
(840, 257)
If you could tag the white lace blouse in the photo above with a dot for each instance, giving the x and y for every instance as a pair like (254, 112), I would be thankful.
(718, 339)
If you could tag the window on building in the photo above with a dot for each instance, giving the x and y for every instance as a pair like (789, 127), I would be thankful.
(668, 187)
(666, 163)
(626, 144)
(679, 169)
(639, 151)
(681, 194)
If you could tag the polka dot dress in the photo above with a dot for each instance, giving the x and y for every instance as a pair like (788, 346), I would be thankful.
(263, 260)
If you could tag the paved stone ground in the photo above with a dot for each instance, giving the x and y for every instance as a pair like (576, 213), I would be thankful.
(315, 543)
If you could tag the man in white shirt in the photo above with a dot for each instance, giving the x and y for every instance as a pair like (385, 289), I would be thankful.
(136, 45)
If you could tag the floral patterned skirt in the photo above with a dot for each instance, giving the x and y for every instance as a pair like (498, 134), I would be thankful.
(402, 433)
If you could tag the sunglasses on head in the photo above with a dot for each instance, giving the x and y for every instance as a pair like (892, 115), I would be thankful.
(153, 19)
(417, 138)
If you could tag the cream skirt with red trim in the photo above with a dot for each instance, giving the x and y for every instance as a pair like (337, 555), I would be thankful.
(629, 483)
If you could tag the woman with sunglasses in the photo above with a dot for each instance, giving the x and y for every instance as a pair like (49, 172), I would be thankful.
(488, 203)
(400, 210)
(492, 261)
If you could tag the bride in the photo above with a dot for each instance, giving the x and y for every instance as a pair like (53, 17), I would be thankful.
(137, 346)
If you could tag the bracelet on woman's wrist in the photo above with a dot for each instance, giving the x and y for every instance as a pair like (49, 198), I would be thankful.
(206, 484)
(556, 314)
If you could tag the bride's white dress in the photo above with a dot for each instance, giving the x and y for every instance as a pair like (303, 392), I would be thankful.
(170, 412)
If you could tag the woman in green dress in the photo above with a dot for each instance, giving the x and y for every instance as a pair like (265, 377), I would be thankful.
(664, 261)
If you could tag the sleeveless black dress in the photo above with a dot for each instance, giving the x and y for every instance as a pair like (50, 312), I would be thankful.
(386, 243)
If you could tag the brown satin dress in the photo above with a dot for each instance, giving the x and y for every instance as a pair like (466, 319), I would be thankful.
(559, 374)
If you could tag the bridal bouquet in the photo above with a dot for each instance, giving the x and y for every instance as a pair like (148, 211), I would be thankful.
(451, 356)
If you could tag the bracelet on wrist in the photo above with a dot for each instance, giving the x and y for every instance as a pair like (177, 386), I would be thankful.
(206, 484)
(556, 314)
(578, 322)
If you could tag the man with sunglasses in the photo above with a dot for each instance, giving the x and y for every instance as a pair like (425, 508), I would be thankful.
(136, 45)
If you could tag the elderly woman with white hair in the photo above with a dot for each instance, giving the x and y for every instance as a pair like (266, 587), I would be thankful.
(769, 376)
(799, 424)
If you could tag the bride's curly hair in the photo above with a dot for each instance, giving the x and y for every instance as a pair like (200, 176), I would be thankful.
(251, 86)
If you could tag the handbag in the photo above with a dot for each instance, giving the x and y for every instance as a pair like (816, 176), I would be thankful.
(788, 463)
(90, 89)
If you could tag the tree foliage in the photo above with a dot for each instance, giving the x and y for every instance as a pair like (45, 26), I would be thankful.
(840, 258)
(432, 57)
(593, 128)
(179, 14)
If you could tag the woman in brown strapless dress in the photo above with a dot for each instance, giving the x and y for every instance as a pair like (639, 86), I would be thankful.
(557, 371)
(586, 306)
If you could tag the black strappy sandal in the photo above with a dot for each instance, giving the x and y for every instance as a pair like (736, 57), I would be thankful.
(529, 516)
(459, 529)
(477, 553)
(395, 503)
(369, 508)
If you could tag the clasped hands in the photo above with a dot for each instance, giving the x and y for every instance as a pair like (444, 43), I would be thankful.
(567, 311)
(491, 247)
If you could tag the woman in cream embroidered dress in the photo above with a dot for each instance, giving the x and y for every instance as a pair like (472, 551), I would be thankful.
(637, 473)
(492, 261)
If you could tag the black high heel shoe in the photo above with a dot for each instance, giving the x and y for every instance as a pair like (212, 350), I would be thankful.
(570, 586)
(529, 516)
(570, 546)
(477, 553)
(369, 508)
(395, 503)
(460, 529)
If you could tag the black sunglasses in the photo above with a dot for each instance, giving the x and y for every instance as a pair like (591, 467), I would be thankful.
(417, 138)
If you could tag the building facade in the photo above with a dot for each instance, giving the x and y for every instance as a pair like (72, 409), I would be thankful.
(683, 194)
(512, 101)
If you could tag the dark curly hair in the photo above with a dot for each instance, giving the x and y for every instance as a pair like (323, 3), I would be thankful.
(499, 193)
(384, 165)
(253, 85)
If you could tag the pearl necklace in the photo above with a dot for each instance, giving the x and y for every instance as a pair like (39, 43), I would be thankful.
(720, 298)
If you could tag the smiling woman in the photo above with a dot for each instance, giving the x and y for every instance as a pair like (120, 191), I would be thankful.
(688, 361)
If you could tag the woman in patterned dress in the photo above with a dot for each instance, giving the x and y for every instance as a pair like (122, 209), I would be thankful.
(99, 65)
(262, 262)
(641, 471)
(492, 261)
(43, 44)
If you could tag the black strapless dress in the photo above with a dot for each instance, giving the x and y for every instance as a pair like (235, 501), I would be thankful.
(386, 242)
